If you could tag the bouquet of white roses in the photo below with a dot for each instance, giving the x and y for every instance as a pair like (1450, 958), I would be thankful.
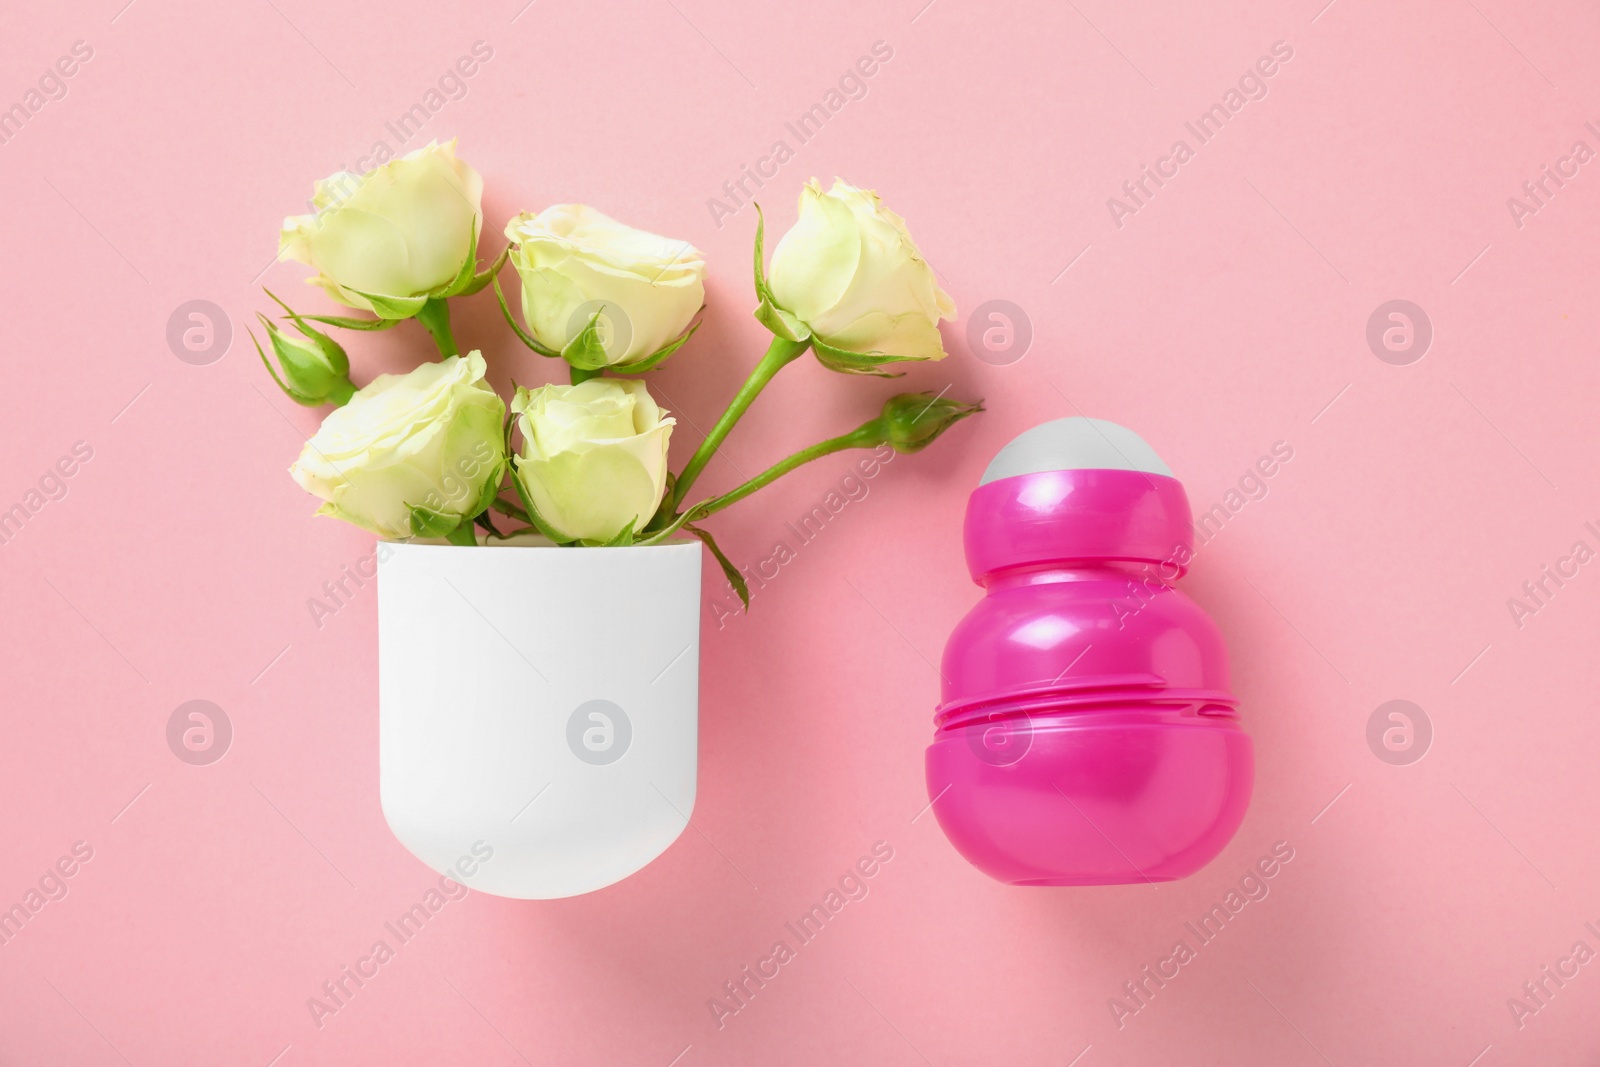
(436, 453)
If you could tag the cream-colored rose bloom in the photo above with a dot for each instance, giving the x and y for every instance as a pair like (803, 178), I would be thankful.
(398, 232)
(850, 271)
(429, 439)
(573, 261)
(594, 455)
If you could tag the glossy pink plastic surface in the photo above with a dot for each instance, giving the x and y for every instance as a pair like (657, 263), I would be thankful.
(1087, 734)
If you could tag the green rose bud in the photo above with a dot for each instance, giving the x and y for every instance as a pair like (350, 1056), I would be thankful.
(911, 421)
(315, 370)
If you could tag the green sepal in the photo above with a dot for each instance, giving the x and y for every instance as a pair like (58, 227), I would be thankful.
(654, 360)
(465, 276)
(393, 307)
(507, 423)
(522, 335)
(463, 535)
(762, 291)
(586, 351)
(425, 522)
(675, 525)
(847, 362)
(782, 323)
(484, 277)
(297, 397)
(327, 345)
(624, 537)
(346, 323)
(729, 571)
(490, 491)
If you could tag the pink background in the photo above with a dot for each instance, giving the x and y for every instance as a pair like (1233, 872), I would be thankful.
(1227, 314)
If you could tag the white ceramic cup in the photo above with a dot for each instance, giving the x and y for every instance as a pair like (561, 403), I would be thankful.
(542, 702)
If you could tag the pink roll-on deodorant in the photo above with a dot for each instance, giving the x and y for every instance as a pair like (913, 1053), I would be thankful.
(1087, 735)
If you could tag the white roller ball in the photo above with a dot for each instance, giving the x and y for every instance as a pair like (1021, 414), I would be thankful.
(1075, 443)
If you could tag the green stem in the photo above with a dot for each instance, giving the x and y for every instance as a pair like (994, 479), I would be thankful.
(579, 375)
(506, 507)
(864, 437)
(779, 355)
(435, 318)
(534, 530)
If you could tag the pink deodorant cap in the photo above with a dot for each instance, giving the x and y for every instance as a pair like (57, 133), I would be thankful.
(1087, 734)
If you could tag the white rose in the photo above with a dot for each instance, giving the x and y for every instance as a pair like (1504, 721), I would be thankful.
(430, 439)
(850, 271)
(594, 456)
(385, 240)
(575, 261)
